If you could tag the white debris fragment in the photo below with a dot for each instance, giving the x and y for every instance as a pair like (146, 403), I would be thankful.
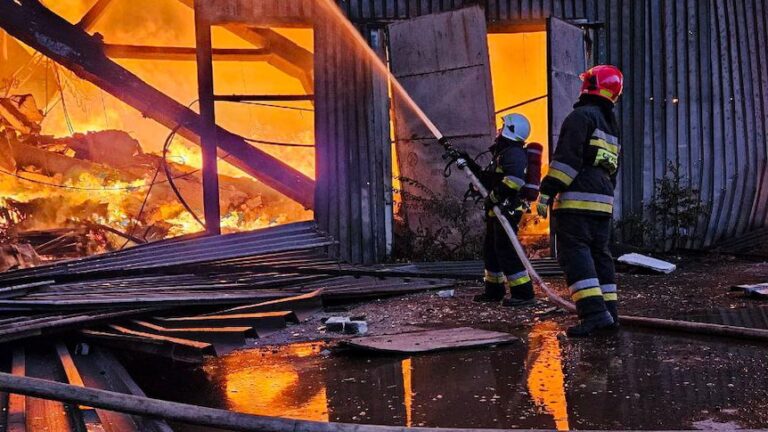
(647, 262)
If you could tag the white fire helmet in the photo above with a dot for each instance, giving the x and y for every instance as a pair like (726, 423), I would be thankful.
(516, 127)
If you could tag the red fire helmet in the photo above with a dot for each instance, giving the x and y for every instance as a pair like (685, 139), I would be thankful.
(603, 80)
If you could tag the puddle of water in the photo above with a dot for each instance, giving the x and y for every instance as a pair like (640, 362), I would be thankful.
(637, 380)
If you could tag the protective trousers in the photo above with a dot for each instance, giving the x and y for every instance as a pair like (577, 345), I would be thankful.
(583, 254)
(503, 267)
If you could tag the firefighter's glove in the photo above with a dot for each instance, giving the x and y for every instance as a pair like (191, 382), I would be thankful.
(471, 164)
(491, 200)
(542, 208)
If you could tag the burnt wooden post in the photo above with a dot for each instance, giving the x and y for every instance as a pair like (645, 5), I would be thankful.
(208, 118)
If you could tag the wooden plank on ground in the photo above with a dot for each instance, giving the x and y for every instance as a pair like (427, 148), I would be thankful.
(42, 414)
(100, 370)
(17, 404)
(147, 345)
(202, 346)
(90, 417)
(302, 305)
(432, 340)
(214, 335)
(258, 321)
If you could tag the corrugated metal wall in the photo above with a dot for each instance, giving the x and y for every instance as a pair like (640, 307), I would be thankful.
(353, 194)
(697, 91)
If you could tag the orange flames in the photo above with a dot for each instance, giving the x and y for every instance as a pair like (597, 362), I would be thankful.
(115, 197)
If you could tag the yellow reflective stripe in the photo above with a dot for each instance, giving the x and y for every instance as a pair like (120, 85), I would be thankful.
(583, 205)
(606, 93)
(494, 277)
(519, 281)
(610, 297)
(592, 292)
(599, 142)
(499, 169)
(510, 183)
(563, 177)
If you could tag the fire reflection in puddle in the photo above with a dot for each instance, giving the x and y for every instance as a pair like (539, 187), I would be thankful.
(546, 381)
(274, 383)
(543, 383)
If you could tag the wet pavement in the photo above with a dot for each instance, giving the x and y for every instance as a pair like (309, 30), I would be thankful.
(636, 380)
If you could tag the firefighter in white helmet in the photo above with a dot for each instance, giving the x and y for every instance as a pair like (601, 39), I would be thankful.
(505, 179)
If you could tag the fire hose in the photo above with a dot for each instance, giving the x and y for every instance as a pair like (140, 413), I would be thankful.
(462, 163)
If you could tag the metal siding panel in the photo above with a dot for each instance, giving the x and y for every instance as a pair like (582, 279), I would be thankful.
(323, 122)
(717, 162)
(707, 117)
(638, 105)
(695, 107)
(724, 133)
(353, 157)
(762, 58)
(735, 140)
(649, 130)
(745, 118)
(753, 109)
(681, 87)
(578, 8)
(336, 145)
(659, 102)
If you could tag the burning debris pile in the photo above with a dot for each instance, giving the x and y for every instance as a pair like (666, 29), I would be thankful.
(98, 191)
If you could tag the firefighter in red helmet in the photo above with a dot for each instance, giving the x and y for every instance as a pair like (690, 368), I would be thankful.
(579, 188)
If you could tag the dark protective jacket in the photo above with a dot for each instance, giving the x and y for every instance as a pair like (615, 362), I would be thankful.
(506, 172)
(582, 174)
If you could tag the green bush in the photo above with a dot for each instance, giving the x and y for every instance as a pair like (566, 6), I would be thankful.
(671, 216)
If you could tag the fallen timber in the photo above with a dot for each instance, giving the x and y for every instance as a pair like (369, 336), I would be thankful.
(69, 45)
(184, 413)
(190, 414)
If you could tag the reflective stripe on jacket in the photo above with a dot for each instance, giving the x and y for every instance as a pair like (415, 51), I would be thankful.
(582, 174)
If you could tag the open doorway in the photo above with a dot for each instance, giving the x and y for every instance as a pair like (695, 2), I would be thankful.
(518, 63)
(465, 79)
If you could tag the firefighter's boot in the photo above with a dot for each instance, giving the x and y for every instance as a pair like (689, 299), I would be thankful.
(517, 302)
(592, 324)
(520, 286)
(494, 288)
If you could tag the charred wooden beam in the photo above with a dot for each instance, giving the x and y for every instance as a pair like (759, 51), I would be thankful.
(144, 52)
(70, 46)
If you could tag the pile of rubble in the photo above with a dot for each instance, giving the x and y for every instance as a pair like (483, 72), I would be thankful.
(97, 191)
